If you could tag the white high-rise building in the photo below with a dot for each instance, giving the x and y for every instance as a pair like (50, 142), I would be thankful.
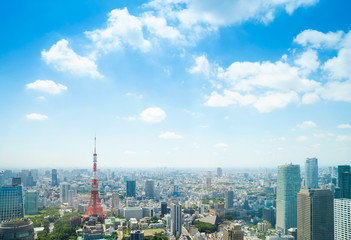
(176, 219)
(311, 173)
(64, 188)
(342, 219)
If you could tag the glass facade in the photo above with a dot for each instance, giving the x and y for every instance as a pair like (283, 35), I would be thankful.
(11, 202)
(289, 184)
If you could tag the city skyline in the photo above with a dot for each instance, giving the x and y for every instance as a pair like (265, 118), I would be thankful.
(180, 84)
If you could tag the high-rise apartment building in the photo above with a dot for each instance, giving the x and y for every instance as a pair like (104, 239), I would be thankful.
(54, 177)
(115, 200)
(208, 182)
(342, 219)
(31, 198)
(11, 202)
(229, 199)
(344, 182)
(64, 188)
(149, 189)
(315, 214)
(164, 210)
(131, 188)
(233, 232)
(289, 184)
(176, 219)
(219, 172)
(311, 173)
(269, 215)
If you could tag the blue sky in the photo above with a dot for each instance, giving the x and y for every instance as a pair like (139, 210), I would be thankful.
(182, 83)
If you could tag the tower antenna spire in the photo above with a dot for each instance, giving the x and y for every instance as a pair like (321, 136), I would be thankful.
(95, 144)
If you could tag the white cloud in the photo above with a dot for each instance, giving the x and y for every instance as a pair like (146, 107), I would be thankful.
(302, 138)
(337, 91)
(153, 115)
(306, 125)
(158, 26)
(282, 138)
(343, 126)
(225, 12)
(202, 66)
(316, 39)
(263, 103)
(64, 59)
(308, 61)
(170, 135)
(224, 145)
(275, 100)
(245, 76)
(36, 116)
(310, 98)
(128, 152)
(47, 86)
(342, 138)
(122, 28)
(339, 67)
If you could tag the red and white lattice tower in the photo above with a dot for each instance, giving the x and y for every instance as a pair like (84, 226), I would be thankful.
(95, 209)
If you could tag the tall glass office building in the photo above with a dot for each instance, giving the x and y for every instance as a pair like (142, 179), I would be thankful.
(289, 184)
(311, 173)
(11, 202)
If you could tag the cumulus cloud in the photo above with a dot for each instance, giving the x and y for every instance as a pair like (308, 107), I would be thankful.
(47, 86)
(64, 59)
(306, 125)
(316, 39)
(122, 29)
(158, 27)
(153, 115)
(308, 61)
(202, 66)
(36, 116)
(343, 126)
(170, 135)
(226, 12)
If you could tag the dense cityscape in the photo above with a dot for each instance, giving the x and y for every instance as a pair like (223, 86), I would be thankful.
(280, 204)
(175, 120)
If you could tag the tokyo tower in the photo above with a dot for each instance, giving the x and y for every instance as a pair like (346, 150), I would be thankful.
(95, 209)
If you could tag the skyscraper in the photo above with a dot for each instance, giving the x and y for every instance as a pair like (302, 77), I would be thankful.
(342, 219)
(64, 188)
(11, 202)
(115, 200)
(164, 208)
(176, 219)
(229, 196)
(311, 173)
(31, 198)
(149, 189)
(208, 182)
(219, 172)
(344, 181)
(131, 188)
(54, 177)
(287, 188)
(315, 214)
